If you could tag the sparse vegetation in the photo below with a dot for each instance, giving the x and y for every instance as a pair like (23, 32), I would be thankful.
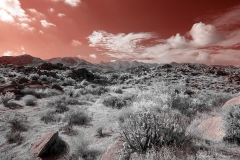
(83, 152)
(233, 127)
(59, 105)
(34, 76)
(6, 98)
(30, 100)
(117, 102)
(77, 118)
(14, 137)
(40, 93)
(49, 116)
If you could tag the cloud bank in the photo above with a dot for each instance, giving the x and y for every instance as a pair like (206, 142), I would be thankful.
(198, 46)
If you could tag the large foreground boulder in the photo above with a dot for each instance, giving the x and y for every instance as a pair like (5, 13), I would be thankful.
(45, 143)
(232, 102)
(213, 128)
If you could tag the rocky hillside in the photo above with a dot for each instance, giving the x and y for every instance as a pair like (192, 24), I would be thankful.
(21, 60)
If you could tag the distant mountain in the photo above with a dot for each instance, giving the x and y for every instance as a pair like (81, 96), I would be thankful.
(69, 61)
(73, 62)
(124, 65)
(25, 59)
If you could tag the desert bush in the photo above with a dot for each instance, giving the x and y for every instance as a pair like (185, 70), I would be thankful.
(85, 83)
(69, 81)
(117, 90)
(59, 105)
(34, 76)
(14, 137)
(83, 152)
(232, 125)
(77, 118)
(117, 102)
(99, 131)
(17, 124)
(6, 98)
(69, 100)
(99, 90)
(72, 92)
(68, 130)
(30, 100)
(40, 93)
(49, 116)
(43, 78)
(148, 130)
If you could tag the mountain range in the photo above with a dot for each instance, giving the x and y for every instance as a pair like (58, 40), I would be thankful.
(28, 60)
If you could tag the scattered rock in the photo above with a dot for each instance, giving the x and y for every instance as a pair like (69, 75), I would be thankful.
(33, 82)
(81, 74)
(111, 152)
(213, 128)
(43, 144)
(232, 102)
(46, 66)
(57, 87)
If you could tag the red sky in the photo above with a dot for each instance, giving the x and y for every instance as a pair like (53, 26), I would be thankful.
(103, 30)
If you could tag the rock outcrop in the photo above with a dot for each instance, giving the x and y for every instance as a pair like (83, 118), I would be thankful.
(42, 146)
(111, 152)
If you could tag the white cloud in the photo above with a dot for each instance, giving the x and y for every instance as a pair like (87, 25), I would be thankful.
(51, 10)
(228, 19)
(76, 43)
(47, 24)
(93, 56)
(72, 3)
(7, 53)
(201, 48)
(203, 34)
(11, 11)
(41, 32)
(120, 43)
(61, 15)
(36, 13)
(10, 53)
(6, 17)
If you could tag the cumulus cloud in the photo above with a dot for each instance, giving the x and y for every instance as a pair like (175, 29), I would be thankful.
(119, 43)
(11, 11)
(76, 43)
(203, 34)
(199, 48)
(93, 56)
(47, 24)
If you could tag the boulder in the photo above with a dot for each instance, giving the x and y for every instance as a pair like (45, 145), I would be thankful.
(44, 144)
(7, 87)
(22, 80)
(33, 82)
(46, 66)
(57, 87)
(111, 152)
(219, 72)
(232, 102)
(35, 86)
(81, 74)
(213, 128)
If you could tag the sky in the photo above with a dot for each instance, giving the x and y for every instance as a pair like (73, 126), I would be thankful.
(151, 31)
